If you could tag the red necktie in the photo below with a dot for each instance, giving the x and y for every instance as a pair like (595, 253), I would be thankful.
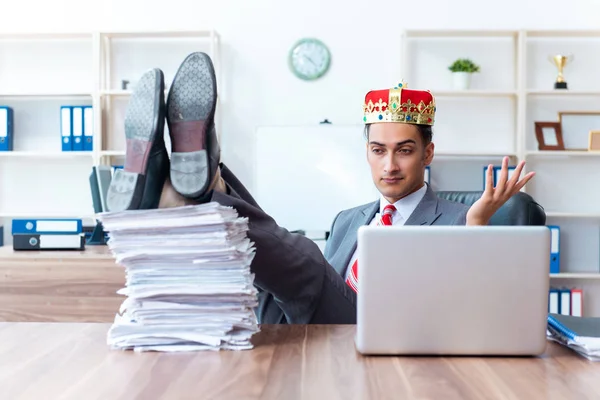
(386, 219)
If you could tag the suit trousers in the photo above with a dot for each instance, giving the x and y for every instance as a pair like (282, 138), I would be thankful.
(296, 283)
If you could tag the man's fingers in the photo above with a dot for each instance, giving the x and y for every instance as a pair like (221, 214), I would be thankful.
(501, 184)
(523, 181)
(517, 174)
(489, 180)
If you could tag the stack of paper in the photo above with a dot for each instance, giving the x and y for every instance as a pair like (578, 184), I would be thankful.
(581, 334)
(188, 279)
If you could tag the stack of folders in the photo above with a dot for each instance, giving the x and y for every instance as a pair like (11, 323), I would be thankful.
(581, 334)
(48, 234)
(188, 280)
(566, 301)
(77, 128)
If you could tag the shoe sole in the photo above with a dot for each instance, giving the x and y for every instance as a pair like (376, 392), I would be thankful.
(190, 113)
(141, 123)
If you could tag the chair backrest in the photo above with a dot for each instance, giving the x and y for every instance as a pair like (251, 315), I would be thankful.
(521, 209)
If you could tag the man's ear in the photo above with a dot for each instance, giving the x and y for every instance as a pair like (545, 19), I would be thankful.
(428, 153)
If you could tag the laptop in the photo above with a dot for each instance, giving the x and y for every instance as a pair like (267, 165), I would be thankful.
(453, 290)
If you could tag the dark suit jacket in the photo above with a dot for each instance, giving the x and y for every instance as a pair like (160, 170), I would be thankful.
(341, 244)
(431, 210)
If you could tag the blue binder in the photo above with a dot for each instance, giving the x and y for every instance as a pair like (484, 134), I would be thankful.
(427, 174)
(554, 249)
(1, 236)
(565, 301)
(6, 128)
(55, 226)
(88, 128)
(66, 127)
(77, 130)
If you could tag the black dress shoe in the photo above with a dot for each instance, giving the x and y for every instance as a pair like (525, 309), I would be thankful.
(139, 184)
(191, 106)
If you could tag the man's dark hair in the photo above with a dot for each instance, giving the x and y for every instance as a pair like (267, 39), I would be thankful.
(425, 130)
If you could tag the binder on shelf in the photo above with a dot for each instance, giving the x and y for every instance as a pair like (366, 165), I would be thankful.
(1, 235)
(427, 174)
(553, 301)
(88, 128)
(25, 241)
(48, 226)
(66, 127)
(6, 128)
(77, 138)
(565, 301)
(554, 249)
(577, 302)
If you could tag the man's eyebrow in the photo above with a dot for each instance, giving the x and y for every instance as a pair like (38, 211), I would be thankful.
(402, 143)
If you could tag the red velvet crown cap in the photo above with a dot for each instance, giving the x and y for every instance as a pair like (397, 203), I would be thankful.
(399, 104)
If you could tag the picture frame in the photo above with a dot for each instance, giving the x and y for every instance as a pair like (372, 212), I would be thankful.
(576, 126)
(549, 135)
(594, 140)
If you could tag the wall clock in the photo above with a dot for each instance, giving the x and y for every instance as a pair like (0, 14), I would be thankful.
(309, 59)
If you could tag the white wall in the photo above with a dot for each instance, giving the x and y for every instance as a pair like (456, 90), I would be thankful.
(257, 34)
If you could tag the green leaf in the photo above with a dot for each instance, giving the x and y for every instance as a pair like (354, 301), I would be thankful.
(464, 65)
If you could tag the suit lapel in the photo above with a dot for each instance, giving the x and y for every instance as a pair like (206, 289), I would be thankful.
(348, 246)
(426, 212)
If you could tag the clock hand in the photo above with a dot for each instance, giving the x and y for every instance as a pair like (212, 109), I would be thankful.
(311, 61)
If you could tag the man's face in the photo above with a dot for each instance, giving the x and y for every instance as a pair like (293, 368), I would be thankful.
(397, 157)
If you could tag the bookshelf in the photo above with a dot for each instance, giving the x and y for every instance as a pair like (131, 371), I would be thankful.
(496, 117)
(40, 72)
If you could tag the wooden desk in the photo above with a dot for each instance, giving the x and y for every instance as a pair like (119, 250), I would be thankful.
(59, 286)
(72, 361)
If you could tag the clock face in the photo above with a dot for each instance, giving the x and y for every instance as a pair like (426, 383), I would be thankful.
(309, 59)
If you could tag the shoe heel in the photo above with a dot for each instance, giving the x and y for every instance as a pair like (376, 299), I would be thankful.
(189, 173)
(125, 191)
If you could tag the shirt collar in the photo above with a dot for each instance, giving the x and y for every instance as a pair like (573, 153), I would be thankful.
(406, 205)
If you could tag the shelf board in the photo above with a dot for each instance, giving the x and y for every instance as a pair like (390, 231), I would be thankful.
(35, 214)
(576, 275)
(552, 214)
(472, 154)
(47, 154)
(45, 36)
(563, 33)
(563, 153)
(45, 94)
(474, 93)
(466, 33)
(158, 34)
(109, 153)
(558, 92)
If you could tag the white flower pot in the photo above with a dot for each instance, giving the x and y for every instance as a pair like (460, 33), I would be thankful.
(462, 80)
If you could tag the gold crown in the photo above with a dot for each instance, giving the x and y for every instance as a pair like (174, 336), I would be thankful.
(399, 105)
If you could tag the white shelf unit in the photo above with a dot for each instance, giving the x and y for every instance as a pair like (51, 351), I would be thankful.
(39, 72)
(496, 117)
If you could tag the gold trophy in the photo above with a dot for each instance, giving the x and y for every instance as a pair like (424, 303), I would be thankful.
(560, 62)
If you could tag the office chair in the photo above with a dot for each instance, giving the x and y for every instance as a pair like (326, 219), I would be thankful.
(521, 209)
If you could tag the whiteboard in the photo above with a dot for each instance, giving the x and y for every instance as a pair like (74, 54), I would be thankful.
(306, 175)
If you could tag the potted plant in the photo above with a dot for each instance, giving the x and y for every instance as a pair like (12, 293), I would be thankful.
(461, 71)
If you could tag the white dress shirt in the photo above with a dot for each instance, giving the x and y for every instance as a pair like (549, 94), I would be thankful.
(404, 209)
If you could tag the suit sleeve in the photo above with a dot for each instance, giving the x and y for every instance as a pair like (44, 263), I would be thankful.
(461, 218)
(331, 233)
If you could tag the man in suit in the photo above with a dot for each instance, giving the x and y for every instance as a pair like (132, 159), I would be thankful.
(298, 283)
